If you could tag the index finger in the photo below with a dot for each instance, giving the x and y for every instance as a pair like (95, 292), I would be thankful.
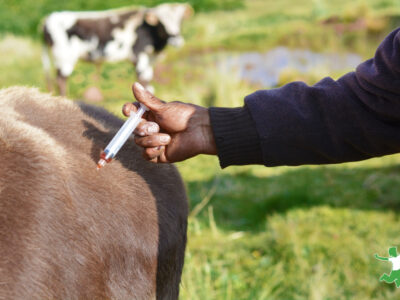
(128, 107)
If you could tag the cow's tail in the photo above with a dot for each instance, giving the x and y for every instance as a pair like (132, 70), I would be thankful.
(46, 60)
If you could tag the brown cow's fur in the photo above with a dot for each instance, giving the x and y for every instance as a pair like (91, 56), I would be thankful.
(68, 231)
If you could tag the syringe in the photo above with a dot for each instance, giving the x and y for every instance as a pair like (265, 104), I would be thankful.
(121, 137)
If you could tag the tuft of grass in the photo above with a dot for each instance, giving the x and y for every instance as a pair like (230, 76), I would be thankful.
(293, 233)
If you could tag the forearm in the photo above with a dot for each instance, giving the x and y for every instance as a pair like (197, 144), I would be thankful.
(353, 118)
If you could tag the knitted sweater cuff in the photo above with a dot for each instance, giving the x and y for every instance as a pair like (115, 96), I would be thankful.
(236, 136)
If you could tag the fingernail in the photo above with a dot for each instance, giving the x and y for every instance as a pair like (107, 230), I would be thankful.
(152, 129)
(125, 109)
(141, 133)
(139, 86)
(164, 139)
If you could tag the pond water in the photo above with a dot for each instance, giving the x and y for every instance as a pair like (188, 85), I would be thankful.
(265, 68)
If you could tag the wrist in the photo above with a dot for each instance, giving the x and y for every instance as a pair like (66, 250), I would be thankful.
(208, 145)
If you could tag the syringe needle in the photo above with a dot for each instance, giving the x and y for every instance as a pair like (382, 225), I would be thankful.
(101, 163)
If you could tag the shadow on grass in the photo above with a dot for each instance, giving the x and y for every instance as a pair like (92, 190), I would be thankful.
(244, 201)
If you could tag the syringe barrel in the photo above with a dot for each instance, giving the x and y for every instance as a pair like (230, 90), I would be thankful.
(124, 133)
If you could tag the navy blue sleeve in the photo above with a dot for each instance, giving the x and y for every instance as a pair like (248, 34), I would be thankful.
(353, 118)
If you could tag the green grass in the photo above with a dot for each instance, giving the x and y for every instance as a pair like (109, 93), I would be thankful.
(255, 233)
(291, 233)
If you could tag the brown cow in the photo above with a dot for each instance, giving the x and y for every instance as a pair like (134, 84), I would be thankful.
(68, 231)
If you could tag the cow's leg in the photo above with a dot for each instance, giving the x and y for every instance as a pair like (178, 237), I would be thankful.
(49, 83)
(47, 67)
(65, 64)
(144, 70)
(61, 83)
(97, 75)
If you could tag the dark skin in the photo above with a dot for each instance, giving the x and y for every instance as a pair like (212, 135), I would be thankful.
(173, 131)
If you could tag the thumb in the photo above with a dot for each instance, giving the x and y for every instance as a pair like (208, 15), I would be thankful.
(144, 96)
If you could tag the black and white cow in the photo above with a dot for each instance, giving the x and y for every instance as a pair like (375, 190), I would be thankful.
(113, 35)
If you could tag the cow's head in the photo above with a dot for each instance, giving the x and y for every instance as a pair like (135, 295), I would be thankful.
(170, 16)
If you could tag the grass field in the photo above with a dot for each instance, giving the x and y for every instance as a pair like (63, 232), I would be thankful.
(262, 233)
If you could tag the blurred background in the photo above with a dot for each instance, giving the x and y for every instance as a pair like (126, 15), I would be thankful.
(254, 232)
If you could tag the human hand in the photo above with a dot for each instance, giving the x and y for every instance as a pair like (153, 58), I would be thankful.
(171, 132)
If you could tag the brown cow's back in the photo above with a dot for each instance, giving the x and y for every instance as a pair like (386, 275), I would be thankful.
(68, 231)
